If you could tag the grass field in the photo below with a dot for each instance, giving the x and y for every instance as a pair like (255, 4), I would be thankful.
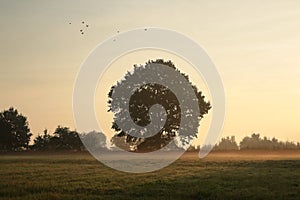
(242, 175)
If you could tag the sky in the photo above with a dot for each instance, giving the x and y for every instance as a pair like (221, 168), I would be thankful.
(254, 45)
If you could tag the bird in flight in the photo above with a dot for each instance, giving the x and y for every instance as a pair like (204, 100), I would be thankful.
(84, 24)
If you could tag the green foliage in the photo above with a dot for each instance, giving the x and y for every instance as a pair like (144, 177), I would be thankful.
(14, 131)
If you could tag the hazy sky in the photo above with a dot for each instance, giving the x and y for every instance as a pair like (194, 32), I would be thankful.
(254, 44)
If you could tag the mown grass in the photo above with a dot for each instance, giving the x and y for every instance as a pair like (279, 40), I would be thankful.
(79, 176)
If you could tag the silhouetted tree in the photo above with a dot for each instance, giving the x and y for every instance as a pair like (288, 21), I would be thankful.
(65, 139)
(140, 103)
(255, 142)
(227, 143)
(251, 142)
(14, 131)
(94, 140)
(42, 142)
(62, 139)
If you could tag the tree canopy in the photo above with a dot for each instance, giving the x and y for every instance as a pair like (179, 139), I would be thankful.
(62, 139)
(256, 142)
(14, 131)
(227, 143)
(94, 140)
(139, 106)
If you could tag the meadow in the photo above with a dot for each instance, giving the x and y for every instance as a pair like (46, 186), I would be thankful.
(221, 175)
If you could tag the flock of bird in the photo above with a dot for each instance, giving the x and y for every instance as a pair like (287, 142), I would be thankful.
(85, 25)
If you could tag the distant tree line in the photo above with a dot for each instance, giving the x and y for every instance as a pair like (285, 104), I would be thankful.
(15, 135)
(250, 142)
(256, 142)
(62, 139)
(65, 139)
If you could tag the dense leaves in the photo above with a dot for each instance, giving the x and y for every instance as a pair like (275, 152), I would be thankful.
(14, 131)
(227, 143)
(62, 139)
(148, 95)
(256, 142)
